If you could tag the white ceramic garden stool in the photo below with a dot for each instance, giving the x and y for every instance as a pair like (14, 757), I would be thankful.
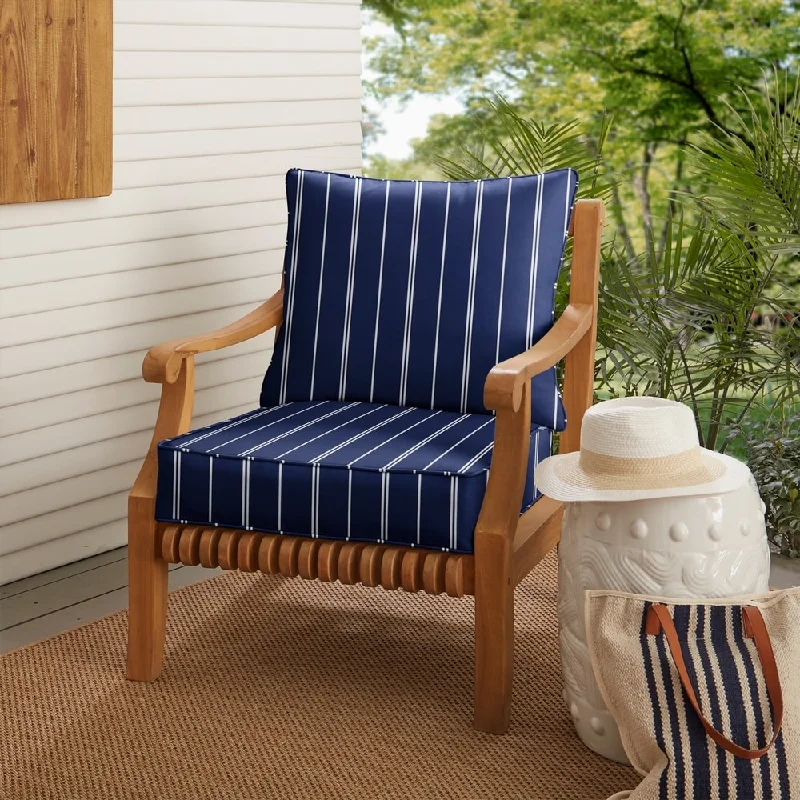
(682, 545)
(699, 546)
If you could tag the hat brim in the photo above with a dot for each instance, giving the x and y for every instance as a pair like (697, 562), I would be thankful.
(562, 478)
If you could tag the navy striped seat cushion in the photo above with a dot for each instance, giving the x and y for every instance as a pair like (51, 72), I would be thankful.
(368, 472)
(409, 292)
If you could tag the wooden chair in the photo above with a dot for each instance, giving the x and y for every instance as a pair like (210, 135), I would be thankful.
(507, 544)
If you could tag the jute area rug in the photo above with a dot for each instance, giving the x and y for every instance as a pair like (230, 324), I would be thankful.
(278, 688)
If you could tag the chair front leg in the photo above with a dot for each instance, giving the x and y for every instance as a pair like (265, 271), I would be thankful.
(494, 633)
(147, 594)
(494, 578)
(147, 570)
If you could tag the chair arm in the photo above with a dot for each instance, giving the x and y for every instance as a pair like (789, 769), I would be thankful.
(163, 363)
(508, 391)
(503, 388)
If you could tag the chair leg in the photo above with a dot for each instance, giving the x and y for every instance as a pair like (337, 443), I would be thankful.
(147, 597)
(494, 633)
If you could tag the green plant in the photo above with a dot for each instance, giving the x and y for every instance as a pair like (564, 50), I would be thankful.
(694, 294)
(773, 455)
(679, 323)
(677, 318)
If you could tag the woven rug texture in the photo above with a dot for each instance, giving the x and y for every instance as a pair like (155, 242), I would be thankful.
(280, 688)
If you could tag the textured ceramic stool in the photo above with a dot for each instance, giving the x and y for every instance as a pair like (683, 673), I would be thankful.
(676, 547)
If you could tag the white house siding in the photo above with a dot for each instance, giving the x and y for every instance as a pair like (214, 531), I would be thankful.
(213, 101)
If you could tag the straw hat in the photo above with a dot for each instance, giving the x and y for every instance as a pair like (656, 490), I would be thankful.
(636, 448)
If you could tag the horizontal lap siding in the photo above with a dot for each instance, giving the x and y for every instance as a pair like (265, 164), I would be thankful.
(214, 101)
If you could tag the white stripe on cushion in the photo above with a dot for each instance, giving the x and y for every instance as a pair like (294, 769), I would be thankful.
(380, 291)
(439, 301)
(319, 292)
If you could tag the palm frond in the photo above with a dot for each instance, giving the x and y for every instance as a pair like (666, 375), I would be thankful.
(755, 177)
(677, 319)
(526, 146)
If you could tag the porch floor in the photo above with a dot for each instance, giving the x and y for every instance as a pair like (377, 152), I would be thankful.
(59, 599)
(51, 602)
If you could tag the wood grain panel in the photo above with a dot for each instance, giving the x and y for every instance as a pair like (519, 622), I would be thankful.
(18, 93)
(95, 92)
(56, 99)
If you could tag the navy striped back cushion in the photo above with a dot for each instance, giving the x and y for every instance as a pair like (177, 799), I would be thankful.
(408, 292)
(725, 670)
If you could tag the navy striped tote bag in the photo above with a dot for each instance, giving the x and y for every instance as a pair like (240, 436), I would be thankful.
(704, 692)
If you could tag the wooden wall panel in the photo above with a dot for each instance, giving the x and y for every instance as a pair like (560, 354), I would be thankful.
(56, 99)
(191, 239)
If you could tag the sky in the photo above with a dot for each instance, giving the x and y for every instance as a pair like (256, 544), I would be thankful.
(402, 123)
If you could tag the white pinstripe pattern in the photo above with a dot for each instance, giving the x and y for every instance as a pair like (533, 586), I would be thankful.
(477, 457)
(535, 464)
(246, 494)
(176, 440)
(566, 203)
(453, 512)
(452, 515)
(176, 484)
(439, 301)
(292, 283)
(349, 500)
(537, 222)
(455, 521)
(264, 427)
(384, 505)
(305, 425)
(358, 439)
(315, 501)
(210, 489)
(424, 441)
(419, 505)
(473, 272)
(412, 268)
(503, 273)
(380, 292)
(462, 439)
(280, 496)
(363, 433)
(566, 231)
(241, 420)
(392, 438)
(326, 432)
(319, 291)
(350, 286)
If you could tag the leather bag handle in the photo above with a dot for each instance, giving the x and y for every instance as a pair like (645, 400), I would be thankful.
(659, 618)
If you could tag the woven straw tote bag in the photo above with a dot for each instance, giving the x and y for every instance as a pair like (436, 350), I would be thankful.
(705, 692)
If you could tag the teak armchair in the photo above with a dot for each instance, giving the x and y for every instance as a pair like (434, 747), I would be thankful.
(507, 543)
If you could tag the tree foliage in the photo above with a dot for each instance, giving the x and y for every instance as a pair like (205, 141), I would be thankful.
(678, 318)
(668, 71)
(700, 280)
